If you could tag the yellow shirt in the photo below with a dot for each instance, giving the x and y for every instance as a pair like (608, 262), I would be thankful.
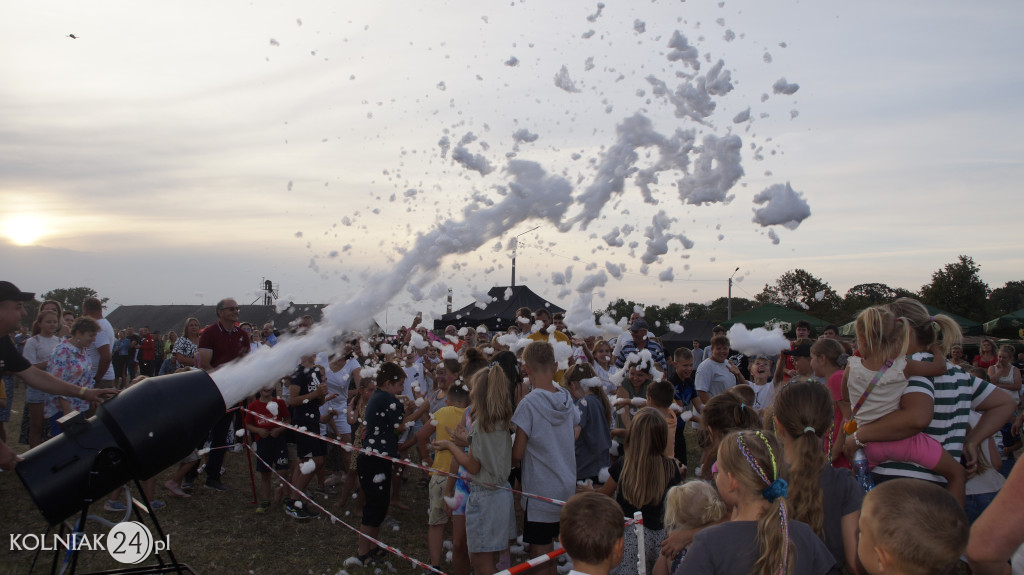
(543, 336)
(446, 418)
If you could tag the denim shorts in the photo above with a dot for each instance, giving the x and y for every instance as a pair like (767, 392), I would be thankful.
(490, 519)
(33, 395)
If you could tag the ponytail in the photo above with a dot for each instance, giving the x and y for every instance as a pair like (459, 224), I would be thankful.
(755, 460)
(804, 411)
(927, 327)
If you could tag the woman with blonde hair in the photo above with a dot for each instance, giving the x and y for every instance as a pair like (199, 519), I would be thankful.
(186, 347)
(987, 356)
(1003, 373)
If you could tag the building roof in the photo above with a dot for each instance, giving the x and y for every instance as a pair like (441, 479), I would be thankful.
(500, 312)
(165, 318)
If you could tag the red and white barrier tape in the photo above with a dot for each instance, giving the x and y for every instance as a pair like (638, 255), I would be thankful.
(638, 519)
(538, 560)
(371, 452)
(335, 519)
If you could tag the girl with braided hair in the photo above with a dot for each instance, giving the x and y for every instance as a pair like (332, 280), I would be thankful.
(761, 537)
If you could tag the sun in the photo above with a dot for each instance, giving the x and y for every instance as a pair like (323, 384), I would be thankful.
(24, 229)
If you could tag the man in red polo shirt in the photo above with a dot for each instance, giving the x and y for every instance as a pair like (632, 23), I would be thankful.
(147, 352)
(221, 343)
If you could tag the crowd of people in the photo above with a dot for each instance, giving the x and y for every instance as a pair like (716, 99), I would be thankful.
(537, 432)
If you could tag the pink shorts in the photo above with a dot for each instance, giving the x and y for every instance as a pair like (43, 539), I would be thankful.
(920, 449)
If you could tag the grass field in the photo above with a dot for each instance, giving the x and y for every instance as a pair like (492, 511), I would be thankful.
(220, 532)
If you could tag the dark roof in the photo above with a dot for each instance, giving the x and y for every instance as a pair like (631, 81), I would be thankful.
(699, 329)
(774, 314)
(500, 312)
(165, 318)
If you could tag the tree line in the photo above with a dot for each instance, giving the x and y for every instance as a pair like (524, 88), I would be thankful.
(956, 288)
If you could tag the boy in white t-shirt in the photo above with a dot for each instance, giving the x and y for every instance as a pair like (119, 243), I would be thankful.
(764, 388)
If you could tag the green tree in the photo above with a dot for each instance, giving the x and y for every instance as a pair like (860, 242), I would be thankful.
(798, 289)
(694, 310)
(619, 308)
(718, 310)
(1006, 299)
(71, 298)
(958, 288)
(863, 296)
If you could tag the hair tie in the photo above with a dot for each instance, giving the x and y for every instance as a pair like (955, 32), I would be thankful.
(778, 488)
(843, 359)
(809, 428)
(931, 318)
(742, 406)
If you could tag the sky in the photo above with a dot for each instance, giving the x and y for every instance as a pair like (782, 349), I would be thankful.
(183, 153)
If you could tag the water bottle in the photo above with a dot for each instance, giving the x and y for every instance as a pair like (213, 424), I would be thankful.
(862, 471)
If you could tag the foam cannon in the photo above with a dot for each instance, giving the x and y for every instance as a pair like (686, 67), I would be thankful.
(135, 435)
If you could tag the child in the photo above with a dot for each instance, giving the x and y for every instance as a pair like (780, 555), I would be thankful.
(444, 420)
(985, 484)
(764, 388)
(271, 446)
(306, 393)
(684, 393)
(760, 538)
(595, 421)
(828, 360)
(383, 424)
(634, 384)
(882, 340)
(910, 527)
(548, 425)
(356, 415)
(639, 482)
(724, 413)
(591, 533)
(490, 522)
(659, 398)
(825, 498)
(801, 357)
(692, 505)
(604, 365)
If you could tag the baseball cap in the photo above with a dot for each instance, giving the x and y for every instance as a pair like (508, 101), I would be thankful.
(638, 325)
(9, 291)
(802, 350)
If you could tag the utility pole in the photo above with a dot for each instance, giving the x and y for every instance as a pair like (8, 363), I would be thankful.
(515, 247)
(728, 309)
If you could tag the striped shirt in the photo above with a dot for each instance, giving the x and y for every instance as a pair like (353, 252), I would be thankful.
(955, 395)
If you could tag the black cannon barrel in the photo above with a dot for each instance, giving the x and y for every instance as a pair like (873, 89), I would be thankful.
(145, 429)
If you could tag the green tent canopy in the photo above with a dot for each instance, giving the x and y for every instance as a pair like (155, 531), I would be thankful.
(770, 315)
(967, 326)
(1010, 325)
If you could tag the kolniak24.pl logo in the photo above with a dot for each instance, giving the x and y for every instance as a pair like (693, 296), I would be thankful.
(128, 542)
